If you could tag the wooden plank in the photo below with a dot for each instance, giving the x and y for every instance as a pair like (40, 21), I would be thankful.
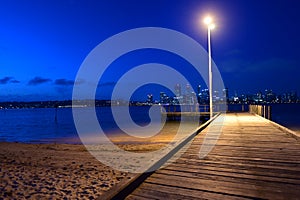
(246, 190)
(236, 151)
(261, 175)
(246, 144)
(270, 173)
(246, 158)
(265, 166)
(166, 192)
(273, 182)
(260, 159)
(233, 166)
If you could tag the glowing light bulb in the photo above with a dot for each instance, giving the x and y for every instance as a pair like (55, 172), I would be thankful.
(208, 20)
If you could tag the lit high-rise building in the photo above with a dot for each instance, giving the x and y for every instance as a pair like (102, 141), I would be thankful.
(225, 94)
(163, 98)
(199, 94)
(188, 89)
(149, 98)
(178, 90)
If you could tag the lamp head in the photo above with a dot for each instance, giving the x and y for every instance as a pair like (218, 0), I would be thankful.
(207, 20)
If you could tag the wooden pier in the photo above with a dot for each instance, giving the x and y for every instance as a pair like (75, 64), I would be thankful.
(252, 159)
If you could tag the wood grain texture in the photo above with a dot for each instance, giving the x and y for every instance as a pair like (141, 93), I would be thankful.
(252, 159)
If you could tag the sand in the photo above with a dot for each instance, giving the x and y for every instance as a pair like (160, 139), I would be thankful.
(58, 171)
(66, 171)
(41, 171)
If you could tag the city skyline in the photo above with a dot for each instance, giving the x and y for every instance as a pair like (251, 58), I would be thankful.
(201, 95)
(255, 44)
(178, 97)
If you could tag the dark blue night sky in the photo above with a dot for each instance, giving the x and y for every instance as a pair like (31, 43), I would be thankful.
(43, 43)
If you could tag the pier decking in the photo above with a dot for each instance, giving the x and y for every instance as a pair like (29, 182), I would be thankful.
(252, 159)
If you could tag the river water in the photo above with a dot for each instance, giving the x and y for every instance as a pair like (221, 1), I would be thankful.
(38, 125)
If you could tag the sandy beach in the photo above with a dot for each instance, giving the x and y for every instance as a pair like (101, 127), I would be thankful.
(69, 171)
(58, 171)
(43, 171)
(65, 171)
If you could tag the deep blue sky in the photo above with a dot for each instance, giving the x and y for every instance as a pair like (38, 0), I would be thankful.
(43, 43)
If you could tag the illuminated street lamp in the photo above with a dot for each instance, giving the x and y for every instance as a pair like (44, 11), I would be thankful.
(208, 21)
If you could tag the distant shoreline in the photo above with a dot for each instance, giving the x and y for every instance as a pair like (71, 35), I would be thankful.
(96, 103)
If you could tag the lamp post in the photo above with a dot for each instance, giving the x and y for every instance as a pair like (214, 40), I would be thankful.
(210, 26)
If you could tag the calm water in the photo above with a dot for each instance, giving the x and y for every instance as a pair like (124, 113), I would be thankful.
(287, 115)
(33, 125)
(39, 125)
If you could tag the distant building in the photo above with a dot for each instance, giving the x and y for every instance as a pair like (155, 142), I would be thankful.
(164, 98)
(150, 98)
(204, 96)
(178, 90)
(236, 98)
(188, 94)
(216, 96)
(225, 94)
(199, 94)
(270, 97)
(293, 97)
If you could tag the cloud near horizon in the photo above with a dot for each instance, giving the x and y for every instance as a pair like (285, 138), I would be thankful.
(38, 80)
(63, 82)
(8, 79)
(14, 81)
(66, 82)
